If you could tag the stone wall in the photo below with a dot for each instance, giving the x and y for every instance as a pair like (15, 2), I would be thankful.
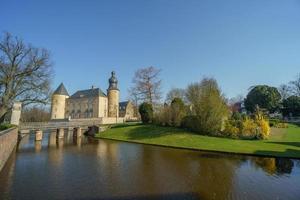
(8, 141)
(112, 120)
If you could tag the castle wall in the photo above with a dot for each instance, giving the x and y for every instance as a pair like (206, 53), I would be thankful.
(103, 107)
(58, 106)
(87, 107)
(112, 120)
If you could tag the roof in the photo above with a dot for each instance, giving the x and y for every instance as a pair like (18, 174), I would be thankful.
(95, 92)
(123, 105)
(61, 90)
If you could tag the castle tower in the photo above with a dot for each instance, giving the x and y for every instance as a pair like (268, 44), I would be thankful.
(113, 96)
(58, 103)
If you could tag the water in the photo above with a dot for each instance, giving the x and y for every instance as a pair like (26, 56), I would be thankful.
(91, 169)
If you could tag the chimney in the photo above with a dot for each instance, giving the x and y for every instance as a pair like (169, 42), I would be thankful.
(92, 87)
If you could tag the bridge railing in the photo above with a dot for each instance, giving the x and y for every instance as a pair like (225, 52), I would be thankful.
(70, 123)
(59, 124)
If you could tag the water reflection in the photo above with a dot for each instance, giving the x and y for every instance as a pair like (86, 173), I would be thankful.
(38, 146)
(83, 168)
(272, 166)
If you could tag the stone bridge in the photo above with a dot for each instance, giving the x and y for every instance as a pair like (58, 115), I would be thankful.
(94, 125)
(59, 124)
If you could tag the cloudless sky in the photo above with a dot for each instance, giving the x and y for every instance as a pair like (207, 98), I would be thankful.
(239, 42)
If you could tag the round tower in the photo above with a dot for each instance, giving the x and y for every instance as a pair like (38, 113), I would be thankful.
(113, 96)
(58, 102)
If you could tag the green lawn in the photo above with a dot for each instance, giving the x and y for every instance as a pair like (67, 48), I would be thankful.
(282, 142)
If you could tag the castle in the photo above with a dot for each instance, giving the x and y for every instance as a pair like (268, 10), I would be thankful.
(91, 103)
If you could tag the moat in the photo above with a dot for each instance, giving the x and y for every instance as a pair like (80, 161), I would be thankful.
(85, 168)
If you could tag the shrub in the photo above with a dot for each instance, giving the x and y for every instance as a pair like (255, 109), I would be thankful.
(177, 112)
(249, 129)
(264, 129)
(190, 122)
(163, 116)
(274, 122)
(146, 112)
(236, 116)
(230, 130)
(208, 106)
(245, 127)
(5, 126)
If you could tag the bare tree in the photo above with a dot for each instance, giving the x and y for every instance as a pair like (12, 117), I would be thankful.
(147, 84)
(295, 85)
(134, 97)
(237, 99)
(35, 114)
(25, 73)
(176, 93)
(285, 91)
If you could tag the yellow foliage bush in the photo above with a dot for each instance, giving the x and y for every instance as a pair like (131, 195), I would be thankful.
(256, 127)
(249, 128)
(230, 130)
(264, 128)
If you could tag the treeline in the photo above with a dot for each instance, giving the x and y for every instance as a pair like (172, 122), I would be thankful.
(284, 100)
(206, 112)
(203, 108)
(35, 114)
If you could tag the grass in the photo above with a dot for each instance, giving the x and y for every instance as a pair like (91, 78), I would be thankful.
(5, 126)
(282, 142)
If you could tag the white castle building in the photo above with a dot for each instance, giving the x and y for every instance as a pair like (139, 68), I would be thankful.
(91, 103)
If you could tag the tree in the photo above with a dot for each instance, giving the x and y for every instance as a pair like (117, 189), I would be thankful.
(134, 97)
(208, 106)
(295, 85)
(176, 93)
(146, 112)
(35, 114)
(284, 91)
(177, 111)
(147, 84)
(291, 105)
(265, 97)
(25, 73)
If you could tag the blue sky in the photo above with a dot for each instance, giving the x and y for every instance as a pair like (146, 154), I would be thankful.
(239, 42)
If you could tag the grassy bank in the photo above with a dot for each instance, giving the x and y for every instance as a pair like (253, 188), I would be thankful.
(282, 142)
(5, 126)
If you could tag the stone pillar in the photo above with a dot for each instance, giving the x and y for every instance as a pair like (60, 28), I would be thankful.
(38, 135)
(60, 133)
(77, 132)
(16, 113)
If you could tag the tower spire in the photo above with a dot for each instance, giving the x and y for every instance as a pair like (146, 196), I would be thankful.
(113, 81)
(113, 96)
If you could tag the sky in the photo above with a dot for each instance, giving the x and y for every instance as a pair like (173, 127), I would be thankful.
(240, 43)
